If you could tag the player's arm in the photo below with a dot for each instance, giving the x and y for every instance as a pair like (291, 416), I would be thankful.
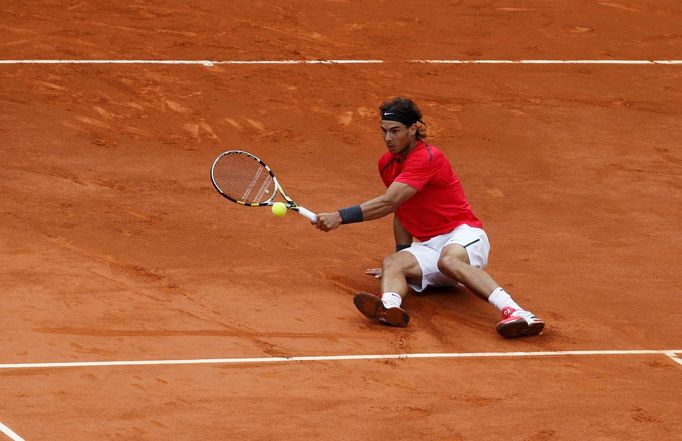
(403, 239)
(383, 205)
(375, 208)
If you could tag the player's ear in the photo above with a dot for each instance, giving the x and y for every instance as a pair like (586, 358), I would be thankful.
(412, 130)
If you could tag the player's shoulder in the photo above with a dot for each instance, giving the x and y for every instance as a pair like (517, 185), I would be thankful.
(426, 152)
(432, 149)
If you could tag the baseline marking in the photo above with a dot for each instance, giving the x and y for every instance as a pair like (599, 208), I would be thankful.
(191, 62)
(369, 61)
(674, 357)
(547, 61)
(10, 433)
(337, 358)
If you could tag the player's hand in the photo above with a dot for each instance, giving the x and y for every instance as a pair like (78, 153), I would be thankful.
(375, 272)
(328, 221)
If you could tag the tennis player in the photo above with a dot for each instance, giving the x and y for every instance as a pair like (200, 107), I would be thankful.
(439, 240)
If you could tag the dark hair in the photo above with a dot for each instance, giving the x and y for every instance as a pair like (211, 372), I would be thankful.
(405, 111)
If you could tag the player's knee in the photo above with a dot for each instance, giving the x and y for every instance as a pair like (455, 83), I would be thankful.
(452, 267)
(392, 264)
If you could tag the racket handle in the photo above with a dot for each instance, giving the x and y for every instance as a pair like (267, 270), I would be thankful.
(307, 213)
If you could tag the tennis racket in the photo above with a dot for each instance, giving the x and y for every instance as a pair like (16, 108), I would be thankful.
(243, 178)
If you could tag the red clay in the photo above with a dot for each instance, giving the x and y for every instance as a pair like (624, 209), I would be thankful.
(114, 245)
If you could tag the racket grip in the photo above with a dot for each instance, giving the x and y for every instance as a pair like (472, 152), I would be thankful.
(307, 213)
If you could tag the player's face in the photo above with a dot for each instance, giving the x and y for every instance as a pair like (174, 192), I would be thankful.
(397, 136)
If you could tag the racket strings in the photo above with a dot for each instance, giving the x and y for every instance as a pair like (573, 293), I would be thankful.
(258, 187)
(243, 179)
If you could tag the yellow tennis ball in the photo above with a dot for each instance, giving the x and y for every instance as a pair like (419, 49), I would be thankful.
(279, 209)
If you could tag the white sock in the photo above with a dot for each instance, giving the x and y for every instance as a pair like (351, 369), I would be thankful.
(391, 299)
(501, 300)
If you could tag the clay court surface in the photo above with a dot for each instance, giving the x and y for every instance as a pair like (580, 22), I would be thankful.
(114, 246)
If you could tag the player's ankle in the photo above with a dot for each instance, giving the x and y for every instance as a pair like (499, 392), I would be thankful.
(501, 299)
(391, 300)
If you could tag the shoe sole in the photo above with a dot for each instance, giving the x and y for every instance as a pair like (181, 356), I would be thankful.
(519, 328)
(372, 307)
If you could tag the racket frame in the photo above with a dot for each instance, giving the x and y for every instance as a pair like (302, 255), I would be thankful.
(289, 203)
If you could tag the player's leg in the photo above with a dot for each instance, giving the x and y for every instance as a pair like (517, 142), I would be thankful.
(464, 264)
(454, 263)
(396, 270)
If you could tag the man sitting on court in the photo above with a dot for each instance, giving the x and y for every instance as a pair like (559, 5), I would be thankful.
(439, 241)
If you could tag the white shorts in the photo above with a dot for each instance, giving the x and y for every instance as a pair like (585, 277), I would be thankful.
(474, 240)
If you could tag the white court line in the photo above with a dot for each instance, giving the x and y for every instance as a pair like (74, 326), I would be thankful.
(279, 62)
(674, 357)
(200, 62)
(548, 61)
(10, 433)
(334, 358)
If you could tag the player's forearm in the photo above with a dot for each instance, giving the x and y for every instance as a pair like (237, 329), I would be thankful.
(373, 209)
(402, 237)
(378, 207)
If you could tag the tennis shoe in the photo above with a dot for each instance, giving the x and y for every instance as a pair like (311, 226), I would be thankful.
(517, 323)
(373, 308)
